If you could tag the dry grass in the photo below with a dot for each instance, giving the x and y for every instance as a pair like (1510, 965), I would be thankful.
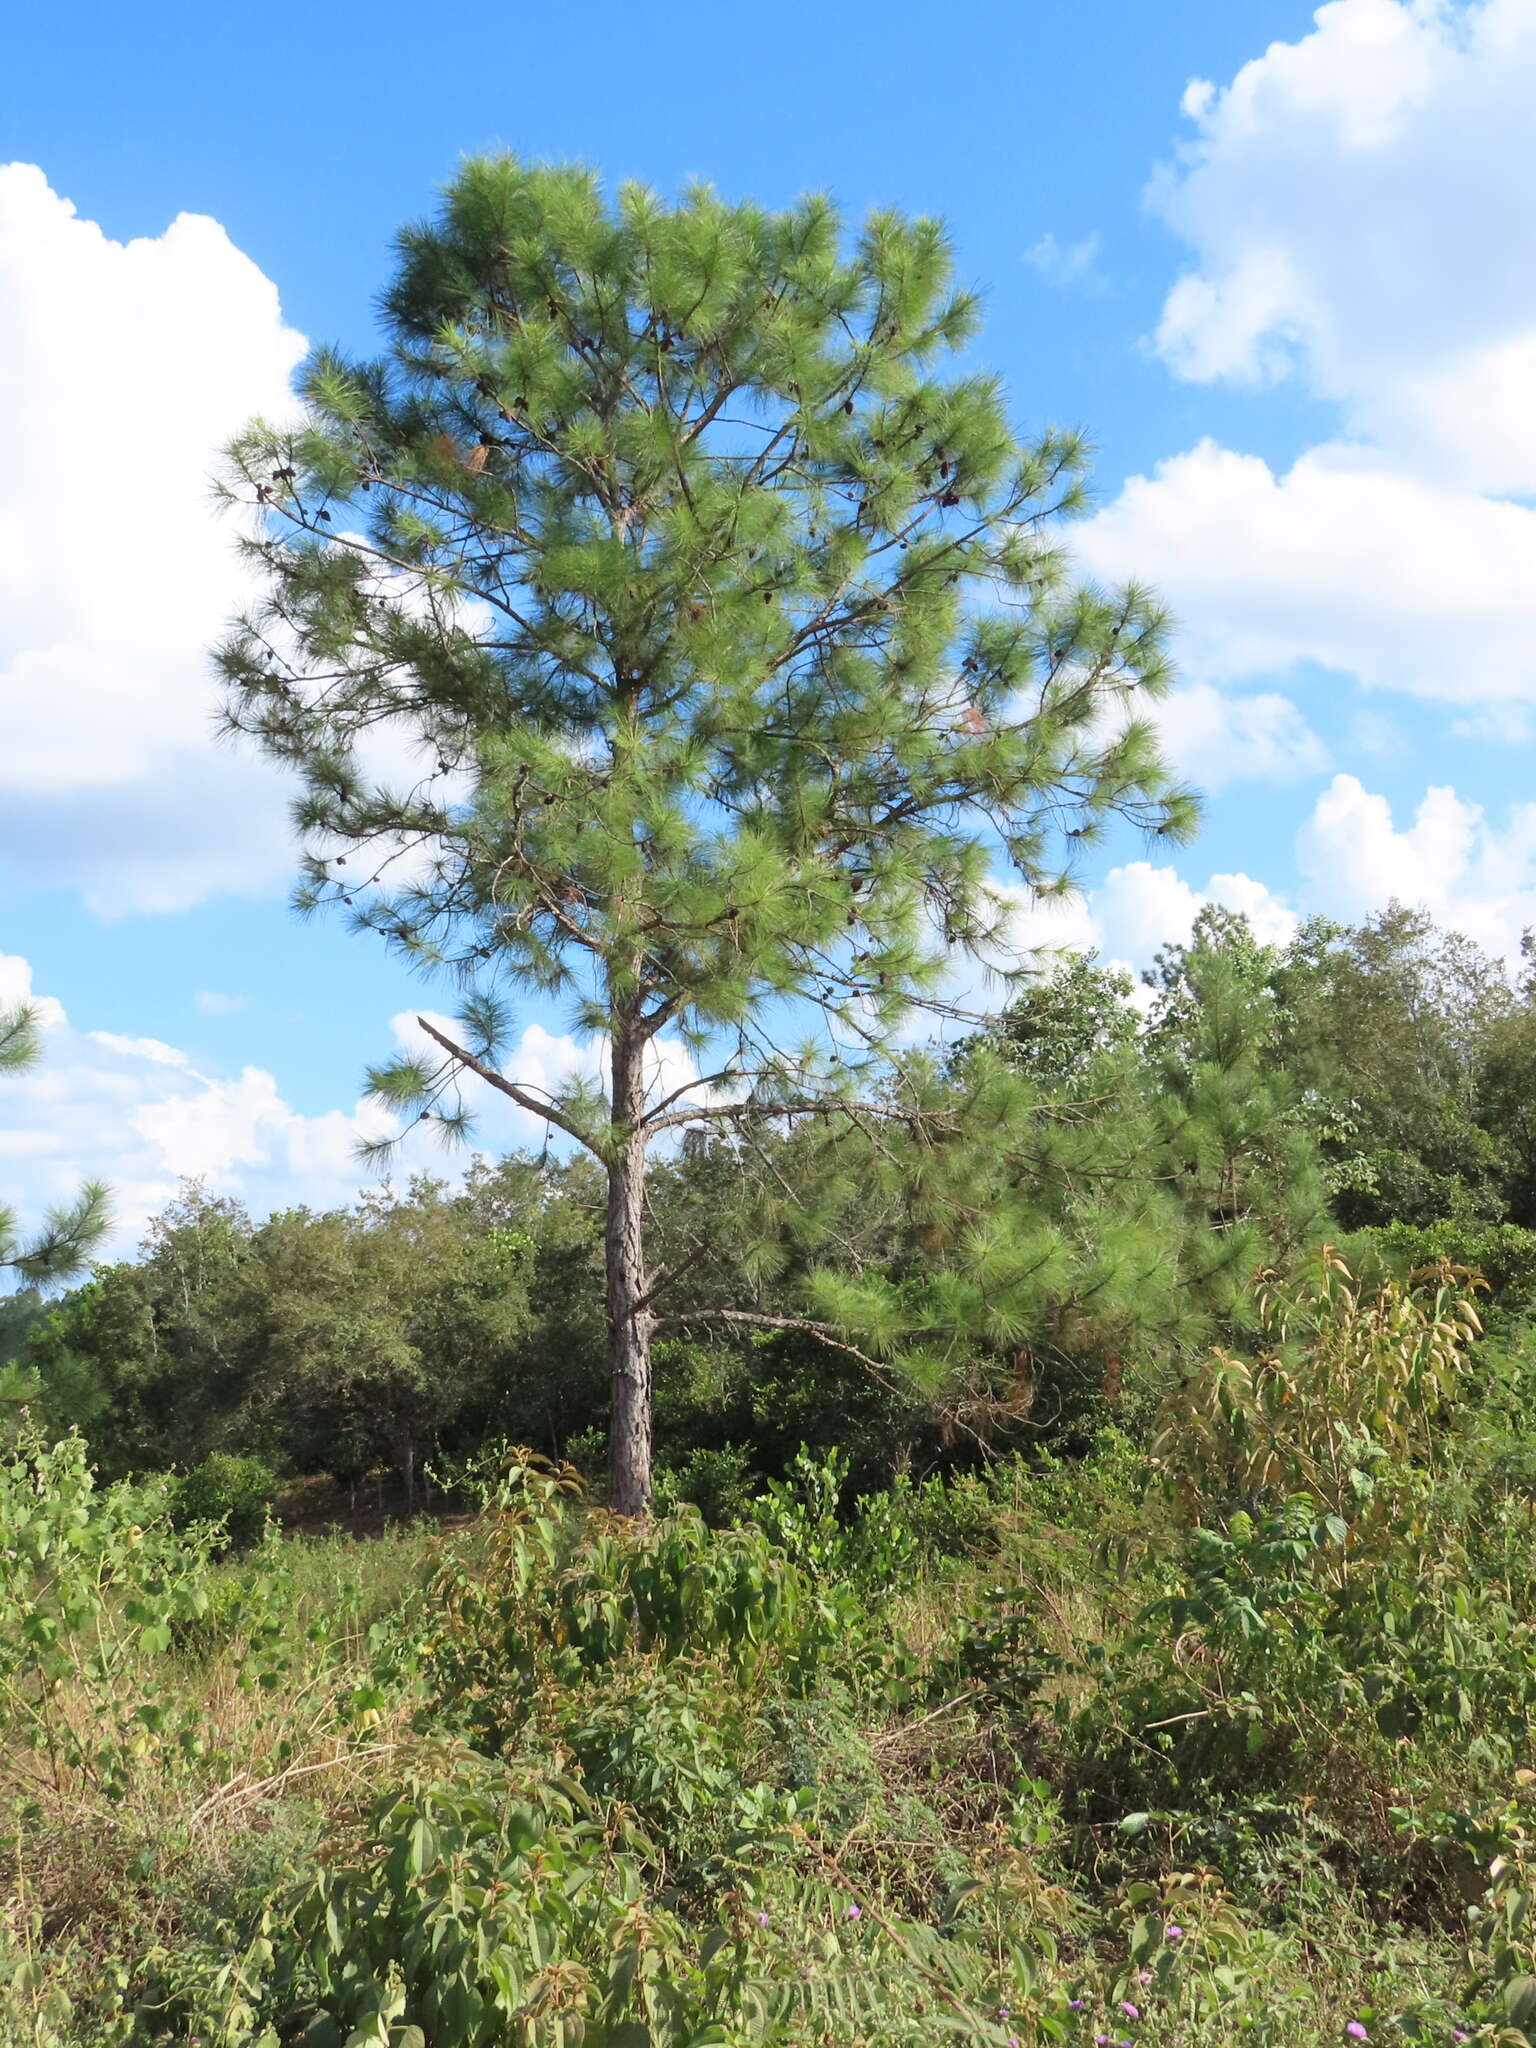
(256, 1777)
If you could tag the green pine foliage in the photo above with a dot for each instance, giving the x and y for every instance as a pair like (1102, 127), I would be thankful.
(657, 531)
(1090, 1599)
(62, 1248)
(726, 625)
(1236, 1123)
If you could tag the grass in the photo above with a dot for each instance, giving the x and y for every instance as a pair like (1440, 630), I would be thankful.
(775, 1788)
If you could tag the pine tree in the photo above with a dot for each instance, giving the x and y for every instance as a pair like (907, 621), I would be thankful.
(728, 631)
(63, 1247)
(1237, 1119)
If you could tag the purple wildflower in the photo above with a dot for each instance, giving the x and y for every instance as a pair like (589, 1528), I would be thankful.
(1356, 2031)
(1173, 1933)
(853, 1912)
(1129, 2010)
(762, 1919)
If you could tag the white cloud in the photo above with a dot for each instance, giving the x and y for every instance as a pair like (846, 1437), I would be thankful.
(212, 1002)
(123, 367)
(1216, 739)
(1339, 561)
(139, 1114)
(1136, 909)
(141, 1048)
(1140, 907)
(1358, 207)
(1067, 264)
(1450, 860)
(1352, 858)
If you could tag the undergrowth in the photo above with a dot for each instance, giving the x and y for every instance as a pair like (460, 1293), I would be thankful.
(1222, 1740)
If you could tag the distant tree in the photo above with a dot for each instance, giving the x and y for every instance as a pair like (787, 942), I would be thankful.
(550, 1381)
(146, 1357)
(367, 1331)
(70, 1234)
(19, 1312)
(1506, 1092)
(1235, 1119)
(1407, 1018)
(1064, 1022)
(1146, 1174)
(731, 641)
(97, 1367)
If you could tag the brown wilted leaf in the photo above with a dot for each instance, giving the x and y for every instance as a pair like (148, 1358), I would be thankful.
(474, 461)
(972, 720)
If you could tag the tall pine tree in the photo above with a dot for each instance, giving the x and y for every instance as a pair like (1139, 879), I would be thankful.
(664, 626)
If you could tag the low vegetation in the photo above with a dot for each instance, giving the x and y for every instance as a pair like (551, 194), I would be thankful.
(1219, 1739)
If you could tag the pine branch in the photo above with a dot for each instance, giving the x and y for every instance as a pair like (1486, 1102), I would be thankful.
(746, 1319)
(524, 1097)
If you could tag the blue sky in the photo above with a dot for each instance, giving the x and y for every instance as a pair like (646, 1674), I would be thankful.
(1280, 265)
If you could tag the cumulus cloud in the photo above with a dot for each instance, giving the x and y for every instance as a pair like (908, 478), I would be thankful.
(144, 1115)
(1136, 909)
(1215, 739)
(1469, 874)
(1339, 560)
(1357, 205)
(123, 367)
(1353, 856)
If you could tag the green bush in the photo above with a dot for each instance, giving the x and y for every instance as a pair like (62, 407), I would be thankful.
(236, 1492)
(719, 1481)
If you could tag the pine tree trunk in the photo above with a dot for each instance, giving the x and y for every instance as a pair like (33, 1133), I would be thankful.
(629, 1323)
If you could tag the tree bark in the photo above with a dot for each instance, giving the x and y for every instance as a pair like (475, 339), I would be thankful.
(630, 1322)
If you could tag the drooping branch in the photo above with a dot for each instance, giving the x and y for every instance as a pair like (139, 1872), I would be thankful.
(525, 1098)
(739, 1318)
(829, 1105)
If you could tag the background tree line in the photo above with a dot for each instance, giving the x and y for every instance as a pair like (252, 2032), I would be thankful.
(1370, 1084)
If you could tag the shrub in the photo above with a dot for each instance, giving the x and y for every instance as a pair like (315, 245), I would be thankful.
(1348, 1377)
(234, 1491)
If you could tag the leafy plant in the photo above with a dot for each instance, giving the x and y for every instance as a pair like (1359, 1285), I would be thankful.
(232, 1490)
(1349, 1379)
